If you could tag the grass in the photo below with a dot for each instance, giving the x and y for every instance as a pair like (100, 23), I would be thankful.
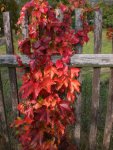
(106, 44)
(86, 111)
(3, 48)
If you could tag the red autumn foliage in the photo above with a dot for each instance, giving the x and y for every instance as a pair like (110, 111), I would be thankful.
(110, 33)
(48, 89)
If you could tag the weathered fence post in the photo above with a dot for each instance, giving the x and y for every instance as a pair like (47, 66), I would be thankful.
(3, 118)
(96, 80)
(78, 26)
(12, 70)
(109, 115)
(10, 50)
(25, 26)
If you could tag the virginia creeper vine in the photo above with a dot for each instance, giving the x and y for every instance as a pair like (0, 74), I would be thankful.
(48, 88)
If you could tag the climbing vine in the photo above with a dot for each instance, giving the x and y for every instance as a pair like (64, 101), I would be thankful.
(48, 87)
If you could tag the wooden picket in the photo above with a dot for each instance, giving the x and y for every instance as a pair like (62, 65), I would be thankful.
(3, 117)
(77, 131)
(96, 61)
(96, 80)
(10, 50)
(109, 115)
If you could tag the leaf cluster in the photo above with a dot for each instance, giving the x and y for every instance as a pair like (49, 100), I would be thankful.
(48, 88)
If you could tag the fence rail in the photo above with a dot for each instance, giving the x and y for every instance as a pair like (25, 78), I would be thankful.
(96, 61)
(78, 60)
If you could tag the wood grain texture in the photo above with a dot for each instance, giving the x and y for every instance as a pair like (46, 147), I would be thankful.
(25, 32)
(8, 33)
(92, 60)
(78, 60)
(4, 132)
(77, 131)
(2, 41)
(109, 114)
(95, 81)
(10, 50)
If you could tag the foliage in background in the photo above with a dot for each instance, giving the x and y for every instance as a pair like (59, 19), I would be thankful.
(107, 16)
(107, 11)
(11, 6)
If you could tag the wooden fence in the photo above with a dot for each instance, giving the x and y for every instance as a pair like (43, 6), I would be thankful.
(96, 61)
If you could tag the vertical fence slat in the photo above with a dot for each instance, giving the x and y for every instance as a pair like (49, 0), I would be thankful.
(25, 31)
(3, 117)
(25, 26)
(95, 81)
(109, 114)
(10, 50)
(77, 131)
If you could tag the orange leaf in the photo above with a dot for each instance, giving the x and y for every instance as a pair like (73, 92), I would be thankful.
(74, 86)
